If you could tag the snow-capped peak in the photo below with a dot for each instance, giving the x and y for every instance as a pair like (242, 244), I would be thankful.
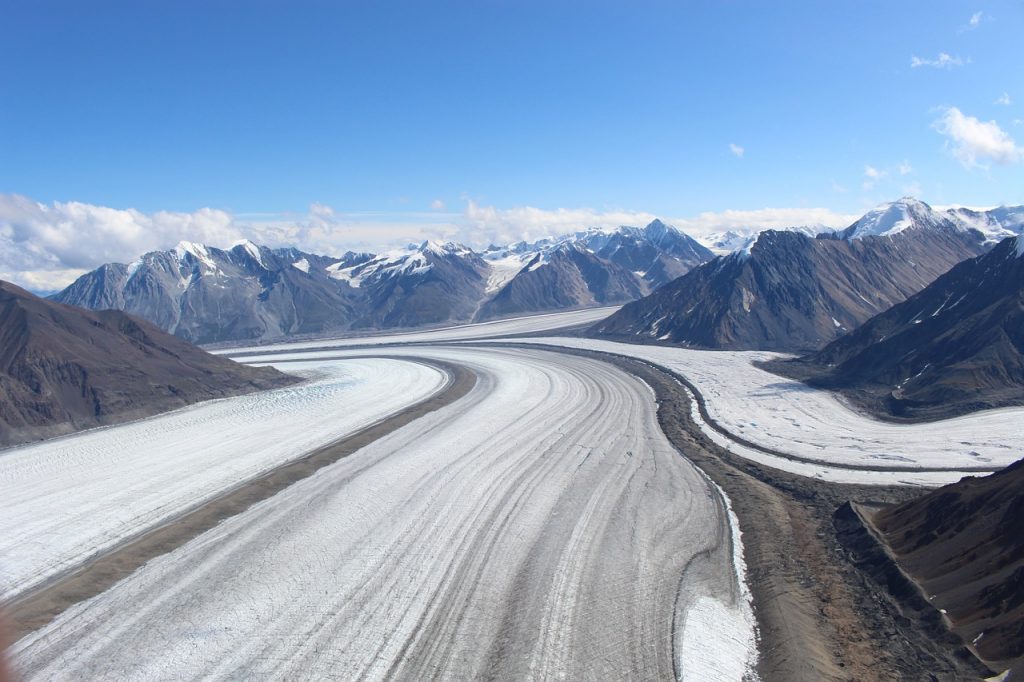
(249, 248)
(895, 217)
(995, 223)
(198, 251)
(438, 248)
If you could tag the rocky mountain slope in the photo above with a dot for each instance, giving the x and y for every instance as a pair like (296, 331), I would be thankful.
(954, 347)
(63, 369)
(963, 544)
(567, 275)
(205, 294)
(788, 292)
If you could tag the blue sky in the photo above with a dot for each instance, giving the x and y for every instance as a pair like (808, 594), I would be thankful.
(402, 114)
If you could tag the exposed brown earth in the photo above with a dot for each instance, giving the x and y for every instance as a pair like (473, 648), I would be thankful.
(63, 369)
(963, 544)
(40, 606)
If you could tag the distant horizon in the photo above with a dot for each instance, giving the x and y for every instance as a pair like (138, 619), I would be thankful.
(223, 231)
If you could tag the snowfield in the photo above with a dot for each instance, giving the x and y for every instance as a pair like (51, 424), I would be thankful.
(540, 527)
(531, 324)
(790, 417)
(68, 499)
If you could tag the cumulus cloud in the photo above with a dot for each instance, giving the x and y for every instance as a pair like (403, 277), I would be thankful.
(487, 224)
(943, 61)
(736, 150)
(45, 246)
(437, 205)
(973, 141)
(906, 168)
(1004, 99)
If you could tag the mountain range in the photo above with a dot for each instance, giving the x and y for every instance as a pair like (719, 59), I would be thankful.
(204, 294)
(63, 369)
(954, 347)
(786, 291)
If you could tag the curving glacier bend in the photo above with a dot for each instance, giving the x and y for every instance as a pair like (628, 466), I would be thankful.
(68, 499)
(540, 527)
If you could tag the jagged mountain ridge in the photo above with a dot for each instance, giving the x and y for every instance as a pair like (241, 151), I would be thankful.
(788, 292)
(954, 347)
(63, 369)
(205, 294)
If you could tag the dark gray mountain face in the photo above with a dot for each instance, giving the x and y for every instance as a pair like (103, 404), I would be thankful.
(954, 347)
(789, 292)
(63, 368)
(595, 267)
(206, 294)
(566, 276)
(656, 253)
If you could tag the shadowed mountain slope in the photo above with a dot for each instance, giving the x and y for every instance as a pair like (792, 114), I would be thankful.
(63, 369)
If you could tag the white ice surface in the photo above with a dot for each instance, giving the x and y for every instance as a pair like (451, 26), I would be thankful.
(537, 528)
(69, 498)
(502, 270)
(790, 417)
(529, 324)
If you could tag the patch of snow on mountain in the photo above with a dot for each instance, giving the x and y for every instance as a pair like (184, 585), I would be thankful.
(197, 251)
(390, 264)
(301, 265)
(722, 243)
(251, 249)
(893, 218)
(501, 272)
(133, 268)
(996, 224)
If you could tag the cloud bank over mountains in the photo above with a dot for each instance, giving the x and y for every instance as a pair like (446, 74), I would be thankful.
(45, 246)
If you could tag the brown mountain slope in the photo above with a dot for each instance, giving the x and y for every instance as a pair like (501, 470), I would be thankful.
(954, 347)
(964, 545)
(789, 292)
(63, 369)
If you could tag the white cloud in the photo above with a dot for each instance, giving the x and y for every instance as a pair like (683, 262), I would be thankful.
(487, 224)
(943, 61)
(871, 176)
(763, 218)
(906, 168)
(1004, 99)
(973, 141)
(437, 205)
(490, 224)
(45, 246)
(736, 150)
(972, 23)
